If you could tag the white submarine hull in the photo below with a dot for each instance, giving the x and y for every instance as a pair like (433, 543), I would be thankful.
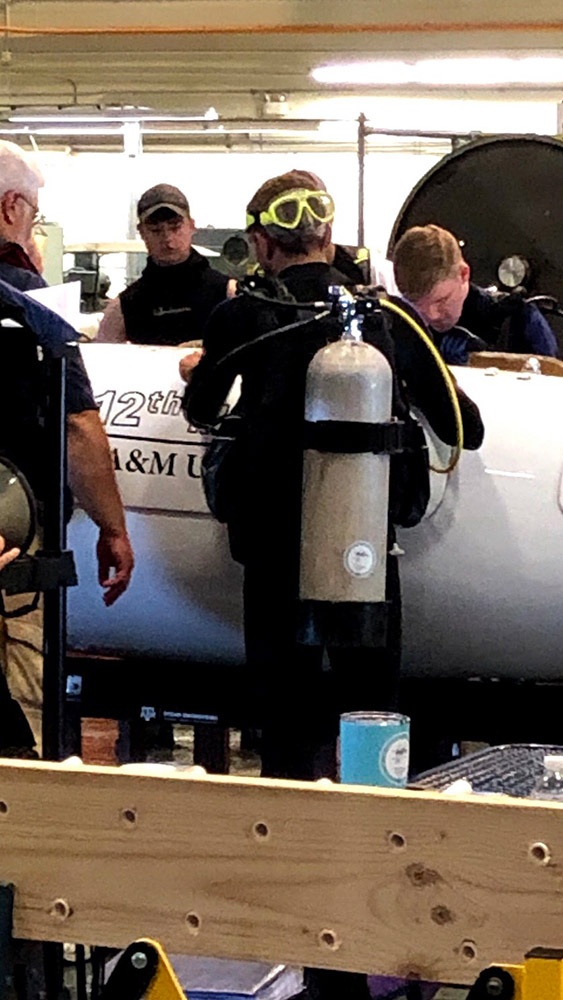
(482, 575)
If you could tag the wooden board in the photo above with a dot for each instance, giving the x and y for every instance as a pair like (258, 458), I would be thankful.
(352, 878)
(515, 362)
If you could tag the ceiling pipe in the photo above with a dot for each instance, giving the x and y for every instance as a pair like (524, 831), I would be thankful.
(374, 28)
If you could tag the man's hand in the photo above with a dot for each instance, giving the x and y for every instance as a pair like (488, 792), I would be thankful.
(112, 327)
(6, 557)
(92, 479)
(114, 553)
(189, 362)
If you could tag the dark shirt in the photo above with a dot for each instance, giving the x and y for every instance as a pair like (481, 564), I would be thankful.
(17, 269)
(506, 323)
(273, 391)
(170, 305)
(356, 272)
(280, 364)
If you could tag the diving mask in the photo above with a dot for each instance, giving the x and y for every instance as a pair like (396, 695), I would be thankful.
(287, 209)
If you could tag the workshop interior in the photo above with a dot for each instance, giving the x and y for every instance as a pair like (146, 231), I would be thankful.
(148, 847)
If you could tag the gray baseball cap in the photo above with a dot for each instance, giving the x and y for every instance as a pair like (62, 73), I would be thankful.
(162, 196)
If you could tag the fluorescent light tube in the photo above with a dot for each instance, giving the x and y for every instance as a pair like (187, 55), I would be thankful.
(476, 71)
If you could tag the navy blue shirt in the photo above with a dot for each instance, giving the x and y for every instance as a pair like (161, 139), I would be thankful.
(22, 391)
(502, 323)
(49, 329)
(21, 278)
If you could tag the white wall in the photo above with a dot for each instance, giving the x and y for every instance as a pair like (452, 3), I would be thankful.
(90, 193)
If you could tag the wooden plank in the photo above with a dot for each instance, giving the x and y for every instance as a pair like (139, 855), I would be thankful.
(352, 878)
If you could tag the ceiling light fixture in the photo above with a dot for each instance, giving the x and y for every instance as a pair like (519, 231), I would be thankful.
(476, 71)
(117, 119)
(76, 130)
(79, 128)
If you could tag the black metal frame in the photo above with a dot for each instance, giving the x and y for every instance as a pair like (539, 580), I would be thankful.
(364, 131)
(6, 956)
(52, 570)
(54, 544)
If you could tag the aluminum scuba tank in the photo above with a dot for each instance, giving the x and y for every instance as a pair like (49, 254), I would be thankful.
(345, 477)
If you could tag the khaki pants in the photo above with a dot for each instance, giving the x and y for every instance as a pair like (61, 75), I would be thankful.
(21, 657)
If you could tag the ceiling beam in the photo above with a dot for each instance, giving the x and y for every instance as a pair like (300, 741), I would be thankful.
(278, 16)
(163, 53)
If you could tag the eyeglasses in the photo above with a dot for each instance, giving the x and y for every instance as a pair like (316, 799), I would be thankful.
(35, 207)
(287, 209)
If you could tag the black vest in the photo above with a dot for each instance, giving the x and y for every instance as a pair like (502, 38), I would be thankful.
(170, 305)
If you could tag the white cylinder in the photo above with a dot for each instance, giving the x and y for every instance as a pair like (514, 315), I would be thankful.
(345, 496)
(481, 578)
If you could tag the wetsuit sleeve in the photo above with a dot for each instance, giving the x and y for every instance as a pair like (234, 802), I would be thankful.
(522, 327)
(473, 428)
(214, 375)
(426, 389)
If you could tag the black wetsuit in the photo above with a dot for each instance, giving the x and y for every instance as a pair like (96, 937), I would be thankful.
(298, 702)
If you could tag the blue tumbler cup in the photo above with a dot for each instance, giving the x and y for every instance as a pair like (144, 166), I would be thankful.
(374, 749)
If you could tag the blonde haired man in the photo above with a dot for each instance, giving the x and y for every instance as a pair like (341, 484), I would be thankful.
(433, 275)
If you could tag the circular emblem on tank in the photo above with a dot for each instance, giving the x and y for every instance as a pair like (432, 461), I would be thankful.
(360, 559)
(395, 758)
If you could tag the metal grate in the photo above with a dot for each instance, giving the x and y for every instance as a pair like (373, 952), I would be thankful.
(513, 769)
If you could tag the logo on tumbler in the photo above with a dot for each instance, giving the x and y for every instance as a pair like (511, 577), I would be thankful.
(394, 758)
(360, 559)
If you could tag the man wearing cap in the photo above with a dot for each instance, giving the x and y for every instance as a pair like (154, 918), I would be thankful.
(177, 290)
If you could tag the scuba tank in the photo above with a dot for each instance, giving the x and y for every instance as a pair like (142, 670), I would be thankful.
(349, 436)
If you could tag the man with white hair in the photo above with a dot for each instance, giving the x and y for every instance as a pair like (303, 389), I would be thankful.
(20, 180)
(90, 466)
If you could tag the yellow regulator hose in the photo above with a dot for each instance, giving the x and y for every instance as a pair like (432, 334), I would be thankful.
(444, 371)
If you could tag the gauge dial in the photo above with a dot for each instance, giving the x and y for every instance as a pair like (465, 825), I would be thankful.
(513, 271)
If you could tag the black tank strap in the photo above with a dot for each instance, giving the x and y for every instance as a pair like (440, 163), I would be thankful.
(352, 438)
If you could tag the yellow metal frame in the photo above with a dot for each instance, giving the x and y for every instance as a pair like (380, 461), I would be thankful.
(164, 984)
(540, 977)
